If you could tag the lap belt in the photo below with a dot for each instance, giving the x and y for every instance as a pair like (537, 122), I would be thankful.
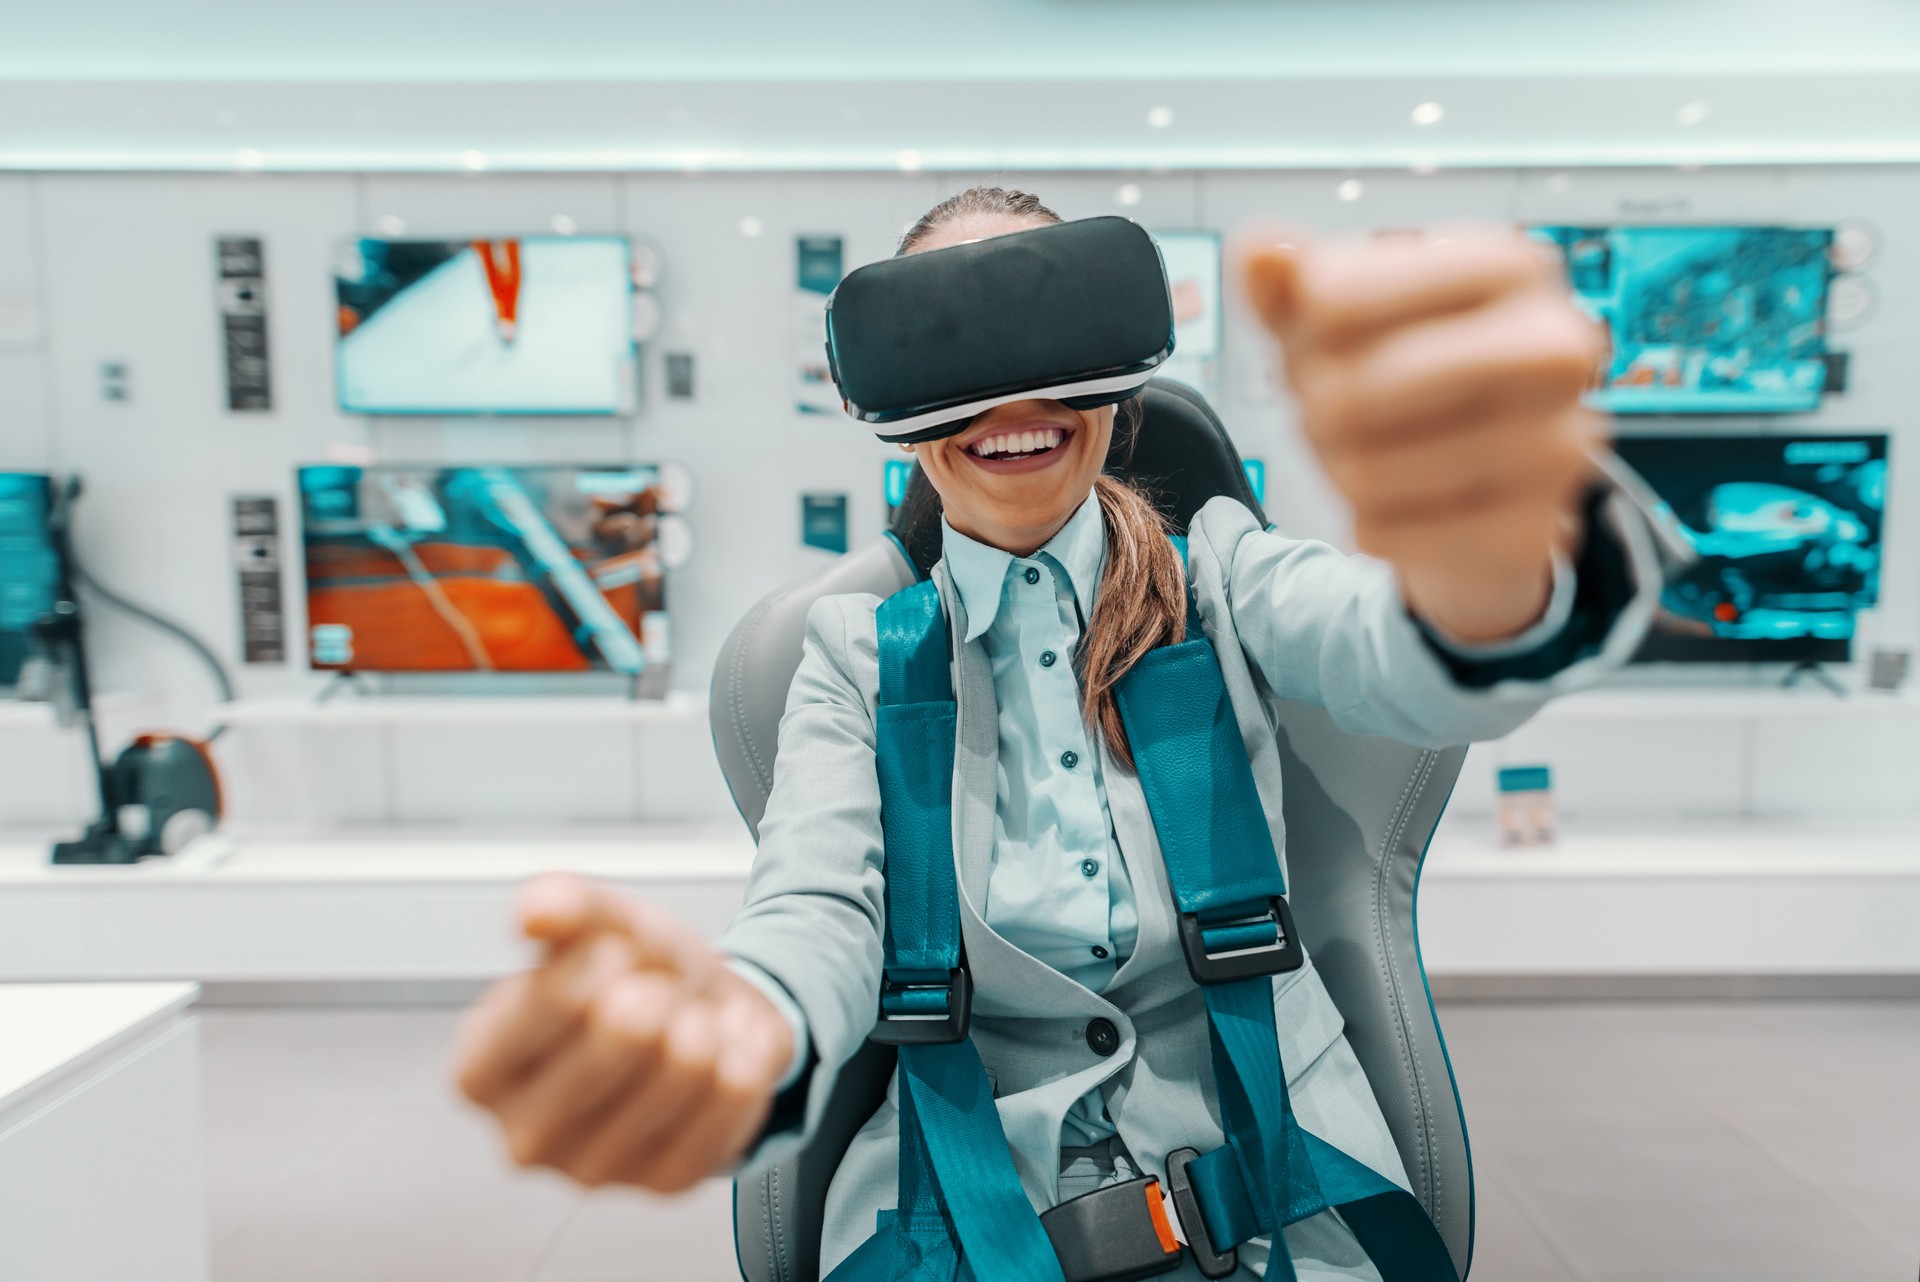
(963, 1213)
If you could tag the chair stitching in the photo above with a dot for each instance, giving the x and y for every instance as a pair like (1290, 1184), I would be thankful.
(1409, 1056)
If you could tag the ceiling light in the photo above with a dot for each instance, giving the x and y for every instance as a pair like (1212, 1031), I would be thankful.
(1690, 114)
(1424, 166)
(1159, 117)
(751, 226)
(563, 225)
(1351, 190)
(1559, 184)
(909, 160)
(392, 225)
(248, 158)
(473, 161)
(1127, 194)
(1427, 113)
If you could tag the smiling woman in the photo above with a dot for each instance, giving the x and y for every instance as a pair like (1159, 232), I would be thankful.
(1017, 473)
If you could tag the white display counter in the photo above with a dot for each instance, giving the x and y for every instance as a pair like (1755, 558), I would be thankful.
(102, 1174)
(369, 906)
(1729, 899)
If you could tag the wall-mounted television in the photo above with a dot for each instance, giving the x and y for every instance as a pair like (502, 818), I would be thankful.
(1192, 260)
(30, 572)
(521, 325)
(485, 569)
(1788, 530)
(1704, 320)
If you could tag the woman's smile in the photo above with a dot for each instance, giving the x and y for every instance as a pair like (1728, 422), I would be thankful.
(1018, 447)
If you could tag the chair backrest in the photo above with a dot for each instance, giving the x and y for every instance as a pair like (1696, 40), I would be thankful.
(1359, 813)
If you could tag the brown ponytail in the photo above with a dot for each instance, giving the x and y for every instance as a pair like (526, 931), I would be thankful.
(1142, 601)
(1142, 604)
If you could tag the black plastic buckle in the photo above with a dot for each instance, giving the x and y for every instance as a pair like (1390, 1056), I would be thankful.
(1116, 1234)
(1211, 1263)
(1279, 957)
(925, 1030)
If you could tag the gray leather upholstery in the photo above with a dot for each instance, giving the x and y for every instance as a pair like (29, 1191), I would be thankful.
(758, 660)
(1359, 813)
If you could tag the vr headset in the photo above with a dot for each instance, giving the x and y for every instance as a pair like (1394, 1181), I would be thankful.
(1076, 312)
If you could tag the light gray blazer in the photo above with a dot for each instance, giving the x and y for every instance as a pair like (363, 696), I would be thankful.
(1291, 620)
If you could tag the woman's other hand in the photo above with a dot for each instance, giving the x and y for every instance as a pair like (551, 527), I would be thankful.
(630, 1054)
(1439, 379)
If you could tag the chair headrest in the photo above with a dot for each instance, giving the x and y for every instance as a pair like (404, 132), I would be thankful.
(1181, 456)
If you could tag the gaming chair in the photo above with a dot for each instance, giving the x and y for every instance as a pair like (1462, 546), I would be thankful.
(1359, 813)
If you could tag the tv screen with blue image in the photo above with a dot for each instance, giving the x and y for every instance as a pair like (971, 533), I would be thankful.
(520, 325)
(30, 573)
(1788, 531)
(1704, 320)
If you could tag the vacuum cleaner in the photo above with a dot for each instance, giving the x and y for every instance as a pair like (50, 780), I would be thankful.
(162, 791)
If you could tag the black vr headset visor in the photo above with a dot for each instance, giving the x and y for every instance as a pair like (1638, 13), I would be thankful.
(1077, 312)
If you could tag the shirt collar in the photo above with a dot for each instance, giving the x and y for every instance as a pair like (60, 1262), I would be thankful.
(979, 571)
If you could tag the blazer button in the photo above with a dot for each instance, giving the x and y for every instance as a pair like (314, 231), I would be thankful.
(1103, 1039)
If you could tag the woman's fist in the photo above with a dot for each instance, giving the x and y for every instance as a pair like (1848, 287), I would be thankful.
(1439, 381)
(630, 1054)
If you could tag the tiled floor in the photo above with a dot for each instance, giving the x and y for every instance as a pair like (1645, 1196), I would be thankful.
(1764, 1142)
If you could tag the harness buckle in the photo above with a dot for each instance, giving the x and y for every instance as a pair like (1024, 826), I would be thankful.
(1236, 960)
(1119, 1233)
(1211, 1263)
(906, 1027)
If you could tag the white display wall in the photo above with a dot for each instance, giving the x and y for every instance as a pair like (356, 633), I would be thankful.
(119, 269)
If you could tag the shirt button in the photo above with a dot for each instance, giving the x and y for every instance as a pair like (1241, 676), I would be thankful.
(1048, 658)
(1088, 867)
(1069, 758)
(1033, 575)
(1099, 952)
(1103, 1039)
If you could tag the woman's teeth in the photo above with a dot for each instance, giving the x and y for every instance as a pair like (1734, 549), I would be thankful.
(1014, 444)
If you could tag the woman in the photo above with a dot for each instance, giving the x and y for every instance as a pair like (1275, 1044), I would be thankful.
(1439, 382)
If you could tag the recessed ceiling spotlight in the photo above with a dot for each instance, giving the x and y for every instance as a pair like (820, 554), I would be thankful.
(1424, 166)
(1559, 184)
(1159, 117)
(563, 225)
(248, 158)
(1690, 114)
(1428, 113)
(392, 225)
(908, 160)
(751, 226)
(1127, 194)
(1351, 190)
(473, 161)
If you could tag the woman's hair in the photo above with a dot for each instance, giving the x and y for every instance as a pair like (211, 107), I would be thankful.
(1142, 600)
(976, 201)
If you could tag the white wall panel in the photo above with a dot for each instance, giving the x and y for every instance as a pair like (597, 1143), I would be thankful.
(128, 269)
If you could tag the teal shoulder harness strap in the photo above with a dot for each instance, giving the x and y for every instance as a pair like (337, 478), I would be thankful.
(962, 1211)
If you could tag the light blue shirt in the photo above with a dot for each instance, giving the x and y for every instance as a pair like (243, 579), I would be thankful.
(1057, 887)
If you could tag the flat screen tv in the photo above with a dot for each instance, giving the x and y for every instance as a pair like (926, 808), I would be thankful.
(524, 325)
(1192, 260)
(1788, 530)
(478, 569)
(1704, 320)
(30, 573)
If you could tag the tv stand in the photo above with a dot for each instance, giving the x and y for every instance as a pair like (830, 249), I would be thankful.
(1817, 672)
(341, 680)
